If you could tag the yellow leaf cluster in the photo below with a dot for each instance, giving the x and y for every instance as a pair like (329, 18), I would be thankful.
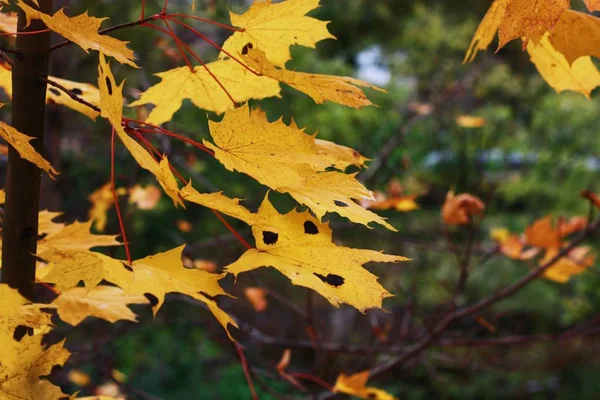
(286, 159)
(301, 248)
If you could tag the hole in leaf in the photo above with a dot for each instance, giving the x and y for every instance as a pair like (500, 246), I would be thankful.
(270, 237)
(128, 268)
(108, 85)
(331, 279)
(340, 203)
(76, 91)
(246, 48)
(310, 228)
(151, 298)
(54, 91)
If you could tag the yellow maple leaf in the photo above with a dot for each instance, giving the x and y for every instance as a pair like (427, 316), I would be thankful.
(582, 76)
(46, 222)
(321, 88)
(76, 236)
(219, 202)
(301, 248)
(529, 19)
(84, 91)
(20, 142)
(24, 362)
(575, 35)
(203, 90)
(68, 267)
(275, 27)
(486, 31)
(106, 302)
(102, 200)
(574, 263)
(341, 156)
(111, 103)
(592, 5)
(16, 311)
(82, 30)
(164, 273)
(356, 385)
(286, 159)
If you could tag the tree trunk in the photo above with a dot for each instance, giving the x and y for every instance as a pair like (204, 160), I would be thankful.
(20, 223)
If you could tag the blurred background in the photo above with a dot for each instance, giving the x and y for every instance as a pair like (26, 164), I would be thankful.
(529, 155)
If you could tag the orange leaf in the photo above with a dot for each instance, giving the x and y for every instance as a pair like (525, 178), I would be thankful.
(257, 297)
(458, 210)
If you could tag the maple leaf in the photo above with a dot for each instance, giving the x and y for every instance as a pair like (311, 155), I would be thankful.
(203, 90)
(22, 365)
(164, 273)
(102, 200)
(582, 76)
(275, 27)
(219, 202)
(301, 248)
(68, 268)
(355, 385)
(20, 142)
(592, 5)
(16, 311)
(399, 203)
(341, 156)
(574, 263)
(486, 31)
(459, 210)
(321, 88)
(529, 19)
(84, 91)
(144, 198)
(111, 103)
(286, 159)
(106, 302)
(76, 236)
(82, 30)
(545, 234)
(575, 34)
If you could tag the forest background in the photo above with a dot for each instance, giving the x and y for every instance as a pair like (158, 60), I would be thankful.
(531, 154)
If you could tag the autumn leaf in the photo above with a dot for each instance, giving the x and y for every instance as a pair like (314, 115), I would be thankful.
(582, 76)
(275, 27)
(164, 273)
(106, 302)
(203, 89)
(111, 103)
(144, 198)
(16, 311)
(68, 268)
(592, 5)
(486, 31)
(257, 297)
(20, 142)
(470, 121)
(76, 236)
(592, 197)
(24, 362)
(301, 248)
(529, 19)
(321, 88)
(286, 159)
(102, 200)
(460, 209)
(574, 263)
(355, 385)
(513, 247)
(398, 203)
(341, 156)
(82, 30)
(84, 91)
(575, 35)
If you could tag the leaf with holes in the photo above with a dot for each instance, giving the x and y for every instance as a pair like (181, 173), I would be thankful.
(111, 103)
(275, 27)
(286, 159)
(300, 247)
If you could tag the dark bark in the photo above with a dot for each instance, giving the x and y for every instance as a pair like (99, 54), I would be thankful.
(20, 224)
